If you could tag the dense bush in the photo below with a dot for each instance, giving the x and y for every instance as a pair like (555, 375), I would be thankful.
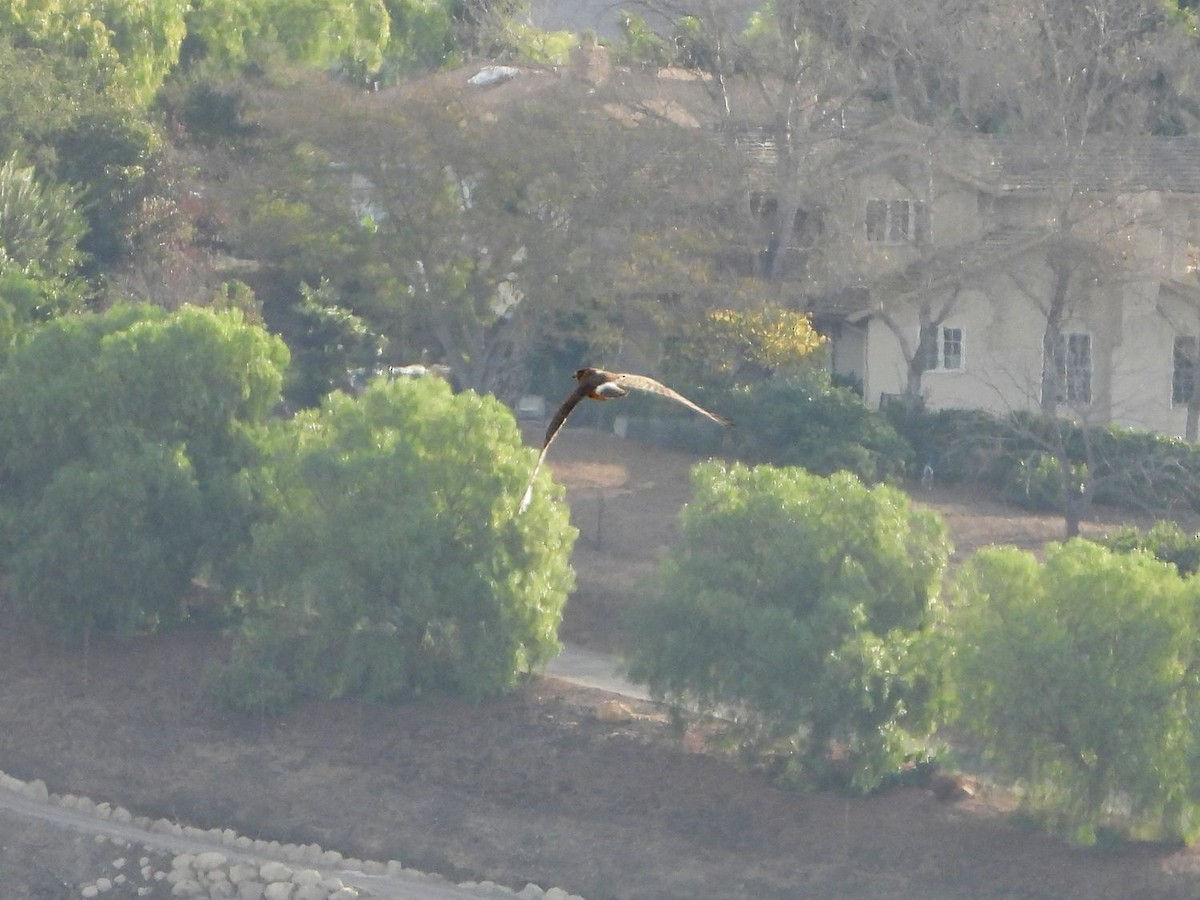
(1078, 676)
(805, 603)
(1021, 455)
(1165, 541)
(126, 440)
(803, 420)
(396, 564)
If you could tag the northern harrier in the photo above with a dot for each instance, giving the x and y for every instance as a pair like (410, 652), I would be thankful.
(597, 384)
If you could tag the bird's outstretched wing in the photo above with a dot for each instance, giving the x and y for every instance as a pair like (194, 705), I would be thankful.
(642, 383)
(556, 424)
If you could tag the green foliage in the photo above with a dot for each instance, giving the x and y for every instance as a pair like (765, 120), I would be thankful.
(1078, 675)
(1021, 455)
(125, 442)
(1165, 541)
(806, 603)
(111, 543)
(639, 43)
(127, 48)
(803, 420)
(395, 564)
(327, 341)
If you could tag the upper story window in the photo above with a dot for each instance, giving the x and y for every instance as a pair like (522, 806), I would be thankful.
(897, 221)
(943, 348)
(1183, 370)
(1073, 360)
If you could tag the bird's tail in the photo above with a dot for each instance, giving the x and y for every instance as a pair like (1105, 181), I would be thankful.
(526, 500)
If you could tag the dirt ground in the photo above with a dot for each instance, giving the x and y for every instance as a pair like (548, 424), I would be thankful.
(534, 787)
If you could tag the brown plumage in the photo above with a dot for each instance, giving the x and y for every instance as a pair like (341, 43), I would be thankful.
(597, 384)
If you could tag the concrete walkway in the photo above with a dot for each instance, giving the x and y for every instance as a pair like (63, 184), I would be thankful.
(591, 669)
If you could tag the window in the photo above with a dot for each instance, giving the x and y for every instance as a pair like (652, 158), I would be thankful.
(943, 348)
(1183, 373)
(897, 221)
(1073, 362)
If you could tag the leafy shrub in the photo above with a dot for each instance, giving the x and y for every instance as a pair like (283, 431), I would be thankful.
(1078, 675)
(802, 420)
(804, 602)
(1037, 483)
(126, 440)
(395, 563)
(1165, 541)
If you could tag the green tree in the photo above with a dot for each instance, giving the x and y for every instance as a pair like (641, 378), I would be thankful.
(1078, 674)
(806, 603)
(40, 258)
(126, 441)
(395, 563)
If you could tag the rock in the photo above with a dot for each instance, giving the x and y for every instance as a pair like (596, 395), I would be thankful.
(89, 890)
(250, 890)
(311, 892)
(345, 893)
(37, 791)
(275, 871)
(531, 892)
(306, 877)
(280, 890)
(210, 860)
(240, 872)
(187, 888)
(614, 712)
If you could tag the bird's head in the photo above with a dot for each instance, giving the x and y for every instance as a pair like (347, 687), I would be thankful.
(581, 374)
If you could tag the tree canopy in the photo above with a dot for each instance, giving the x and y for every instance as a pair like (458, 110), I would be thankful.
(802, 603)
(395, 563)
(1078, 674)
(124, 452)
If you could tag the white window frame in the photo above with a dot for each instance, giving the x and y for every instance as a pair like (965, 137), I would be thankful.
(946, 335)
(899, 223)
(1071, 378)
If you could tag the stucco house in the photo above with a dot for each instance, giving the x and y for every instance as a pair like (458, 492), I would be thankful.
(940, 256)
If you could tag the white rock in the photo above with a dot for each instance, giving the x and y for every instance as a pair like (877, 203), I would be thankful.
(332, 858)
(89, 890)
(332, 883)
(311, 892)
(280, 890)
(119, 862)
(183, 861)
(531, 891)
(556, 893)
(103, 810)
(250, 890)
(275, 871)
(120, 879)
(36, 790)
(346, 893)
(305, 877)
(187, 888)
(121, 814)
(240, 872)
(209, 860)
(104, 885)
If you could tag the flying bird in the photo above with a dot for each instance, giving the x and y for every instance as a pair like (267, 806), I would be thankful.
(596, 384)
